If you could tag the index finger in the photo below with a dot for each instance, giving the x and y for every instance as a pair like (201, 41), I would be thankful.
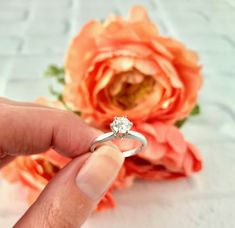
(28, 129)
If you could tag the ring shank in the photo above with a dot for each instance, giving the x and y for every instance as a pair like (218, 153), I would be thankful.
(131, 135)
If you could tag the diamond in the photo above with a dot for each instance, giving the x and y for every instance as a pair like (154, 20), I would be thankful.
(120, 126)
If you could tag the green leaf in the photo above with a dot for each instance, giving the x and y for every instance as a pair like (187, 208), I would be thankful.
(180, 123)
(61, 80)
(54, 71)
(196, 110)
(54, 92)
(79, 113)
(59, 97)
(69, 109)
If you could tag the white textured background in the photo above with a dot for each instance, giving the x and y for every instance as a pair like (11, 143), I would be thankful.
(35, 33)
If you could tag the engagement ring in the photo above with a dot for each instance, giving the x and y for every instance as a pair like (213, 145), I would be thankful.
(121, 129)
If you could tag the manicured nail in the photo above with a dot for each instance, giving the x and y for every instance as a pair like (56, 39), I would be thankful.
(99, 171)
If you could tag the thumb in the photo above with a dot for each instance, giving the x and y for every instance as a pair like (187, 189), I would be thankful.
(74, 192)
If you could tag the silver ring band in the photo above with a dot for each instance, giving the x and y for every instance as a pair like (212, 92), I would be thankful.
(121, 129)
(130, 134)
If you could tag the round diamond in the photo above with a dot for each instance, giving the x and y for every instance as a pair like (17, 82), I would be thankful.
(120, 125)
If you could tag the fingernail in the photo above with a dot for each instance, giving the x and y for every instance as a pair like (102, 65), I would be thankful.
(99, 171)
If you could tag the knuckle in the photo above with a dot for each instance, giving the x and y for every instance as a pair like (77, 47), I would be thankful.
(66, 116)
(64, 129)
(54, 216)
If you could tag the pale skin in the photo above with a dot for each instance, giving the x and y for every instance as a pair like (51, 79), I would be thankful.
(71, 196)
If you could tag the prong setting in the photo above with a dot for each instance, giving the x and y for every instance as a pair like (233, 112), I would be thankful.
(120, 126)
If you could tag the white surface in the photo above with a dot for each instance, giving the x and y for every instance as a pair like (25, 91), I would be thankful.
(34, 33)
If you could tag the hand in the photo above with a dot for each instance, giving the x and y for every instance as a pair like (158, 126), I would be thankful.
(73, 193)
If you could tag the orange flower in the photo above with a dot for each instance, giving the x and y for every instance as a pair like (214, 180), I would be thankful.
(36, 171)
(168, 154)
(126, 68)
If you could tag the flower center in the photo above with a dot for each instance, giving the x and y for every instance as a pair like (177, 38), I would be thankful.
(130, 92)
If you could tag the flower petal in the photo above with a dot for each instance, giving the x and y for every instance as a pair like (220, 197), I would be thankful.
(176, 139)
(138, 13)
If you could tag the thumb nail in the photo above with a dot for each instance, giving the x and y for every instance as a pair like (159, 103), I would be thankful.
(99, 171)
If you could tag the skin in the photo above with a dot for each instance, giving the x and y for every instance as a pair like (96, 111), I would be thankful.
(31, 128)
